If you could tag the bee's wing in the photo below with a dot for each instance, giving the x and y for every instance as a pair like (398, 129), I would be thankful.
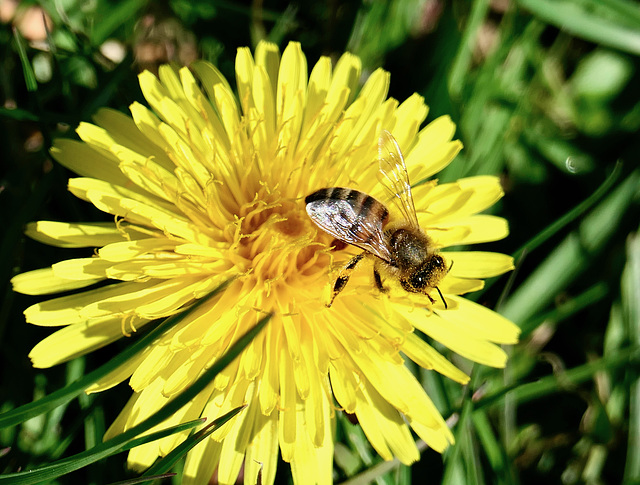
(352, 217)
(395, 177)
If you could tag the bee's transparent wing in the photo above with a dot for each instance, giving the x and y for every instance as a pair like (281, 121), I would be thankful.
(348, 221)
(395, 177)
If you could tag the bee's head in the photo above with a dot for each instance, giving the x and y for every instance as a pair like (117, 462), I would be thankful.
(427, 276)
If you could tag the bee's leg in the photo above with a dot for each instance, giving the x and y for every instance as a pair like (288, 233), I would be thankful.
(343, 277)
(378, 280)
(441, 297)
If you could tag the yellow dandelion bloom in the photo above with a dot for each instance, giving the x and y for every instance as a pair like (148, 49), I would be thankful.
(207, 187)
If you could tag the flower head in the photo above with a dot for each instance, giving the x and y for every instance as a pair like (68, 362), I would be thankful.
(207, 187)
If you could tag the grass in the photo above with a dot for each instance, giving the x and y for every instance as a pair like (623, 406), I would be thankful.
(544, 93)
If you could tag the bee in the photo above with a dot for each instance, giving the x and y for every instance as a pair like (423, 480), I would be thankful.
(401, 249)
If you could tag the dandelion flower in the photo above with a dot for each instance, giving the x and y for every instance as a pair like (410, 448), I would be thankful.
(207, 187)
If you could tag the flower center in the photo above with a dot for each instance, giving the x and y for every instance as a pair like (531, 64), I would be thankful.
(277, 243)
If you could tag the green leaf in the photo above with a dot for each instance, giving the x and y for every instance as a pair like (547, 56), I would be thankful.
(596, 22)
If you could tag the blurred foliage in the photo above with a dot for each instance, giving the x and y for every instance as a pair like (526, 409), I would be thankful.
(545, 93)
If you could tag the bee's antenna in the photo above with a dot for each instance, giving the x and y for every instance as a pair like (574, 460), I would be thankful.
(442, 297)
(451, 266)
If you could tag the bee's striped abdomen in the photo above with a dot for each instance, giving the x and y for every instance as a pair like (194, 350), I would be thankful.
(352, 217)
(364, 206)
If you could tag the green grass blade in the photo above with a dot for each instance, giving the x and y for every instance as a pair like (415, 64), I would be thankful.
(490, 444)
(572, 377)
(156, 436)
(125, 440)
(167, 463)
(62, 467)
(464, 58)
(453, 470)
(135, 481)
(631, 305)
(572, 255)
(27, 68)
(18, 114)
(572, 215)
(567, 308)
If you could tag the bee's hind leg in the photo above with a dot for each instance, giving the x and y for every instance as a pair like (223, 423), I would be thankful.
(343, 277)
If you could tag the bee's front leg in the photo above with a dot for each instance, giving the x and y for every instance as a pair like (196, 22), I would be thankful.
(343, 277)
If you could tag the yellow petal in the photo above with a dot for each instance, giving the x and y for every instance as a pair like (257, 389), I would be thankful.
(244, 78)
(123, 131)
(311, 464)
(81, 269)
(460, 199)
(319, 83)
(262, 451)
(66, 310)
(78, 235)
(163, 104)
(346, 74)
(384, 430)
(478, 264)
(116, 376)
(268, 57)
(466, 340)
(136, 208)
(434, 438)
(451, 285)
(149, 361)
(344, 385)
(479, 228)
(74, 155)
(210, 76)
(75, 340)
(491, 325)
(429, 358)
(202, 461)
(407, 119)
(262, 96)
(147, 294)
(433, 151)
(45, 282)
(126, 250)
(360, 115)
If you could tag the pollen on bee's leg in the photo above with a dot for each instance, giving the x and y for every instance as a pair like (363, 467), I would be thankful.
(338, 286)
(343, 277)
